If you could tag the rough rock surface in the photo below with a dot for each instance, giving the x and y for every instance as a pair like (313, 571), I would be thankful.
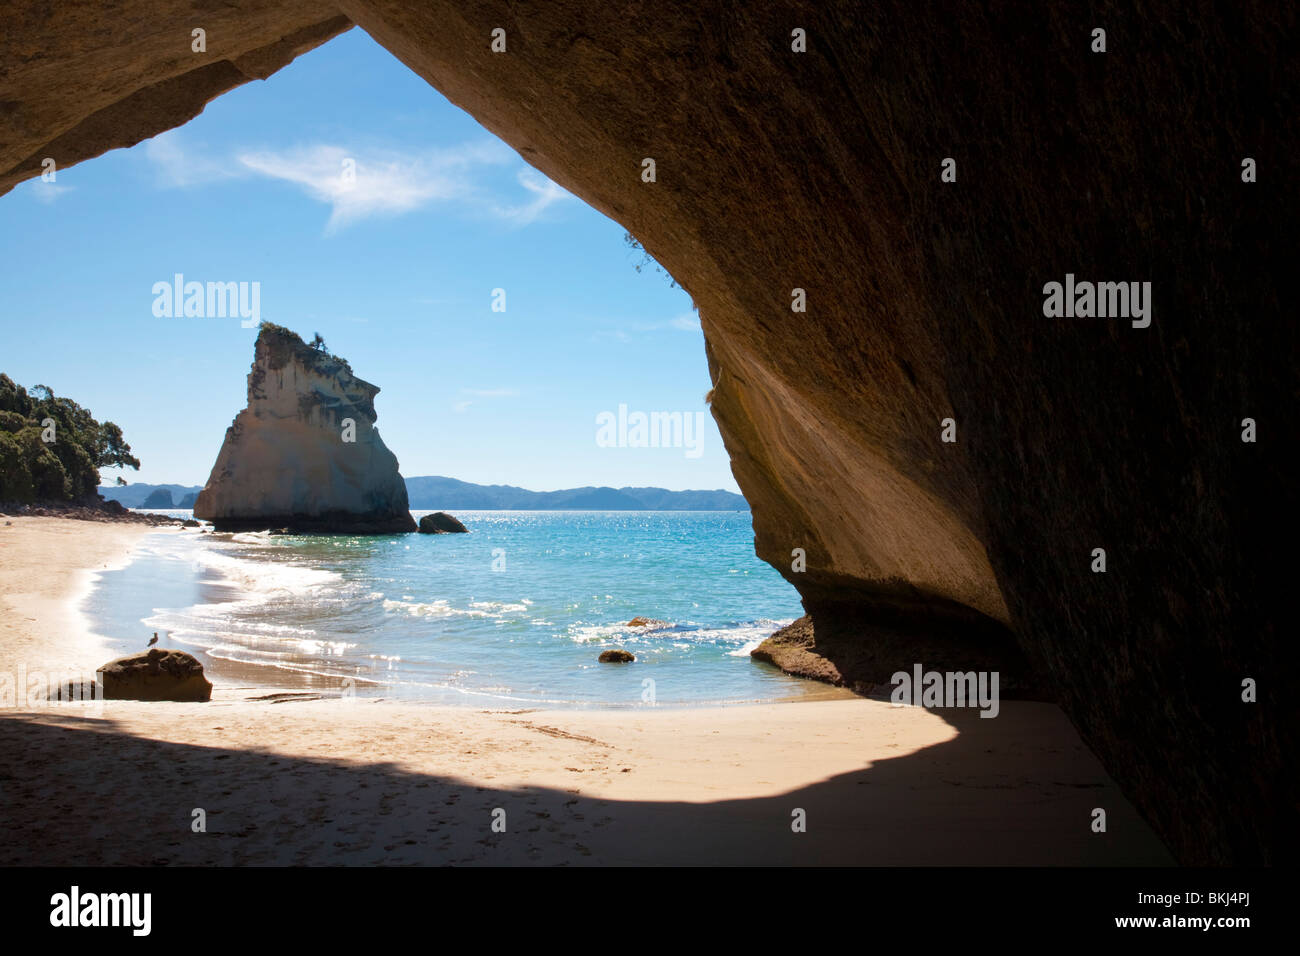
(118, 72)
(286, 461)
(820, 171)
(618, 656)
(441, 523)
(863, 654)
(157, 674)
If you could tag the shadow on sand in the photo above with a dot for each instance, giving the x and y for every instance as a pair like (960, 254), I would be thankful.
(81, 791)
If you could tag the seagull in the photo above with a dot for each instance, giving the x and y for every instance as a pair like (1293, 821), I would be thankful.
(153, 640)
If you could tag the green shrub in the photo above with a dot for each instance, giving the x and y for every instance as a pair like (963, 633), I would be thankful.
(15, 475)
(66, 468)
(49, 477)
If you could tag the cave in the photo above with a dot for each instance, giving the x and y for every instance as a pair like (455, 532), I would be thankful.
(920, 173)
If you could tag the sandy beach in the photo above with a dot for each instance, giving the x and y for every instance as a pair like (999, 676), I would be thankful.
(47, 565)
(277, 779)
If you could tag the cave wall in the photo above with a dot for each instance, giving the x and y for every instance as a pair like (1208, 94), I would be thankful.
(81, 77)
(820, 170)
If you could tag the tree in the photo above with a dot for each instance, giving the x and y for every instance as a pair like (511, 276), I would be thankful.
(62, 464)
(15, 473)
(111, 449)
(12, 397)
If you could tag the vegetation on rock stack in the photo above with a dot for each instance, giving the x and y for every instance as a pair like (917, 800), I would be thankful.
(51, 449)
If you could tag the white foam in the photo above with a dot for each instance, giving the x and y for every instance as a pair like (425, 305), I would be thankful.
(439, 608)
(746, 635)
(267, 578)
(498, 607)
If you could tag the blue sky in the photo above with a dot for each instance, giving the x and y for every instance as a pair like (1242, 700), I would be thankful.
(396, 270)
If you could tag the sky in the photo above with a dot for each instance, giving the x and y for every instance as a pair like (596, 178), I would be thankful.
(371, 210)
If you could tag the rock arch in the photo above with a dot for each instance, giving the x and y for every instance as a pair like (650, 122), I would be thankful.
(820, 170)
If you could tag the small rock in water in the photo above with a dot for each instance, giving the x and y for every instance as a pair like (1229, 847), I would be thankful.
(644, 622)
(441, 523)
(616, 657)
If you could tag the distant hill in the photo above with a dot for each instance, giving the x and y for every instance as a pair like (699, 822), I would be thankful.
(134, 496)
(159, 499)
(434, 491)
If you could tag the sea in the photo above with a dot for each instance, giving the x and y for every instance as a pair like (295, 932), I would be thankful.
(515, 613)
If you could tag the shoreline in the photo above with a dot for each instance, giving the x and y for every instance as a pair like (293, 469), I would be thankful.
(45, 579)
(286, 780)
(179, 580)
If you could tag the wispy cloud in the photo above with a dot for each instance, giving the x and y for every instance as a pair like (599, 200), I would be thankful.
(460, 406)
(358, 188)
(366, 183)
(686, 322)
(544, 192)
(48, 192)
(180, 165)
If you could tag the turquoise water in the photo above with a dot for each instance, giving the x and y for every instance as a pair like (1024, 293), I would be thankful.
(516, 611)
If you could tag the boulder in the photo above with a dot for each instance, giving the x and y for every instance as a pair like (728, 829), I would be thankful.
(618, 656)
(441, 523)
(862, 652)
(156, 674)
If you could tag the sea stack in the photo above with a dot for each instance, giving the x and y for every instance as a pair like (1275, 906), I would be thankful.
(304, 455)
